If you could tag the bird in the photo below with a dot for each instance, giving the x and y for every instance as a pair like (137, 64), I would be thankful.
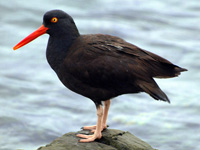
(100, 66)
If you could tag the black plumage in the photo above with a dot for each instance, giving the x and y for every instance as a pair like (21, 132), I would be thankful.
(100, 66)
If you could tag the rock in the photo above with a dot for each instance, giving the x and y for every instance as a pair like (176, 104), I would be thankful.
(111, 140)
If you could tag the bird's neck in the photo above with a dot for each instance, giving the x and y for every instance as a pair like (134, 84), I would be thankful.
(57, 49)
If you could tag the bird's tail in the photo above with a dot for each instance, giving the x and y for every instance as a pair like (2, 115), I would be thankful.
(167, 71)
(153, 90)
(178, 70)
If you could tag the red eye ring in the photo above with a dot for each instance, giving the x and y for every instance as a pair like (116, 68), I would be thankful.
(54, 20)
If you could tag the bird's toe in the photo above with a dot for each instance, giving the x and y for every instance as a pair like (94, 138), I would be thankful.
(88, 138)
(89, 127)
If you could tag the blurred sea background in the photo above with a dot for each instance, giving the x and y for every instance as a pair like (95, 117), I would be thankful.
(35, 108)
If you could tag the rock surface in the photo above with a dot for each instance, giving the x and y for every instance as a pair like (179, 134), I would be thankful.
(111, 140)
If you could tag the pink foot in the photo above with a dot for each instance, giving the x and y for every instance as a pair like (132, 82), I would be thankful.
(88, 138)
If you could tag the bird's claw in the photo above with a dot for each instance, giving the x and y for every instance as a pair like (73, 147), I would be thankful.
(93, 128)
(88, 138)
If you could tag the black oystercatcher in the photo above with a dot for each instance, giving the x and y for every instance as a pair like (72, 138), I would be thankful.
(100, 66)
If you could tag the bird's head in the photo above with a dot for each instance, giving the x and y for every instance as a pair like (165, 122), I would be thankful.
(56, 23)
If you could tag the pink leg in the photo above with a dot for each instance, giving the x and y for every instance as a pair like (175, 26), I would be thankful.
(105, 113)
(105, 116)
(97, 133)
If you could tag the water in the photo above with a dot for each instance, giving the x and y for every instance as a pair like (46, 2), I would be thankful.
(35, 107)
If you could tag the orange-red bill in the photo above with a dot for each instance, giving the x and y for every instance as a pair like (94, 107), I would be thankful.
(41, 30)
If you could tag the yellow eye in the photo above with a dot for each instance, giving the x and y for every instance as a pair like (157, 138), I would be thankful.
(54, 20)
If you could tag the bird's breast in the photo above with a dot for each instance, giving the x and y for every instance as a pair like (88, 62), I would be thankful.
(56, 52)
